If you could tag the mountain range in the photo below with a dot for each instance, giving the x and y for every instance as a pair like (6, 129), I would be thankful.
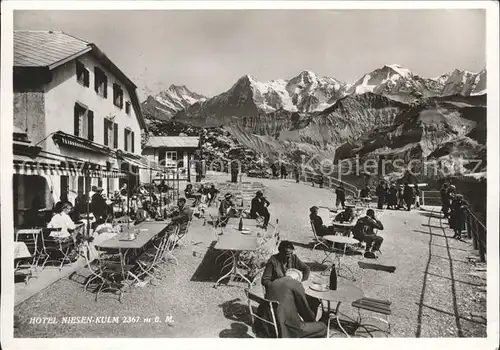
(389, 111)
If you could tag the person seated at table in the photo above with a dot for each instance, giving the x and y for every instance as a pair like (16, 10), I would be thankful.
(63, 221)
(226, 210)
(278, 264)
(259, 206)
(363, 231)
(345, 216)
(294, 317)
(317, 221)
(365, 194)
(180, 217)
(213, 192)
(188, 191)
(141, 213)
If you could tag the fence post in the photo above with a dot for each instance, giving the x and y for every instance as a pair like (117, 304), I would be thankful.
(474, 234)
(482, 244)
(423, 197)
(468, 222)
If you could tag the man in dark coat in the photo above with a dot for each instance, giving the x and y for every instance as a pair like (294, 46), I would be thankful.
(408, 196)
(98, 205)
(283, 171)
(225, 209)
(363, 231)
(294, 317)
(278, 264)
(340, 196)
(393, 197)
(259, 206)
(317, 222)
(380, 193)
(296, 174)
(457, 215)
(234, 172)
(445, 201)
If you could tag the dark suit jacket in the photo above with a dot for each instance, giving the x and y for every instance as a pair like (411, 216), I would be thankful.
(274, 269)
(292, 306)
(182, 219)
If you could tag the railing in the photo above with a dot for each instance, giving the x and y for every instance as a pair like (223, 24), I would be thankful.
(476, 230)
(308, 175)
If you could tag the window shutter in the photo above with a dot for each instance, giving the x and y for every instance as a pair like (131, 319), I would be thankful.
(132, 141)
(96, 80)
(77, 119)
(125, 140)
(115, 136)
(105, 79)
(90, 119)
(86, 77)
(106, 132)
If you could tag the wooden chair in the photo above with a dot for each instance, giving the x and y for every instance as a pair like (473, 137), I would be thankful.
(272, 305)
(374, 305)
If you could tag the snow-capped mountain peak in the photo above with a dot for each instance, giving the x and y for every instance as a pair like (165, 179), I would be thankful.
(170, 101)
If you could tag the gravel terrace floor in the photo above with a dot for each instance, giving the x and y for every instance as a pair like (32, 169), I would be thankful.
(436, 291)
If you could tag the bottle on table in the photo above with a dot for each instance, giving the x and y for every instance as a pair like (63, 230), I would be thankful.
(333, 278)
(240, 225)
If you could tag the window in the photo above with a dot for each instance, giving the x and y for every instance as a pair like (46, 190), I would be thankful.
(170, 158)
(100, 82)
(110, 133)
(117, 96)
(84, 122)
(82, 74)
(129, 141)
(127, 107)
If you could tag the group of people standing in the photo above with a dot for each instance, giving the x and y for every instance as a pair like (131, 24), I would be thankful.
(397, 197)
(454, 208)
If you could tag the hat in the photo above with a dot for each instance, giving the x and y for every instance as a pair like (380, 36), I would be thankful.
(228, 195)
(259, 193)
(285, 245)
(311, 209)
(99, 189)
(94, 188)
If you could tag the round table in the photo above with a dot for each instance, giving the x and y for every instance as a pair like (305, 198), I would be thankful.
(346, 292)
(340, 240)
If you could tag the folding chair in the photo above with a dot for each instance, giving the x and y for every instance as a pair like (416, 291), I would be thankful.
(110, 276)
(182, 232)
(33, 240)
(272, 305)
(56, 250)
(374, 305)
(148, 262)
(317, 240)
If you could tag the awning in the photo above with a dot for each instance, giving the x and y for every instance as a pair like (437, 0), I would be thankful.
(63, 138)
(141, 161)
(25, 168)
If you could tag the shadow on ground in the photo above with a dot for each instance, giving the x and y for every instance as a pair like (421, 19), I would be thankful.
(208, 270)
(234, 310)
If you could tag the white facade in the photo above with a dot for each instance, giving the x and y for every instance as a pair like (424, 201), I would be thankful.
(64, 90)
(52, 108)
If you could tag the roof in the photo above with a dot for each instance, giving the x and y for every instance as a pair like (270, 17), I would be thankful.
(173, 142)
(50, 49)
(46, 48)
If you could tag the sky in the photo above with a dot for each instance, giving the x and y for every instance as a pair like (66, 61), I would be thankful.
(208, 50)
